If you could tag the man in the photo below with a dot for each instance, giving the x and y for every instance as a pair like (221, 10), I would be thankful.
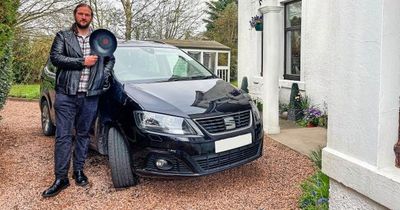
(80, 79)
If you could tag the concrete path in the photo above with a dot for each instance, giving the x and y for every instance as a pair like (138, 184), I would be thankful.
(303, 140)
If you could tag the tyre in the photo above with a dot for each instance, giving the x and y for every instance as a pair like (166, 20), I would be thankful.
(119, 160)
(48, 127)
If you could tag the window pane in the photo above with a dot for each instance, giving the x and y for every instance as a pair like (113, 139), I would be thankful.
(195, 55)
(222, 59)
(293, 14)
(293, 47)
(209, 60)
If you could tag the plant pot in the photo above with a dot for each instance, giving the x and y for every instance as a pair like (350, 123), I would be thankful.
(259, 27)
(295, 114)
(311, 125)
(292, 114)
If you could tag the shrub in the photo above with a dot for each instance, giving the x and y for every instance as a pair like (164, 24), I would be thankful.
(30, 55)
(295, 112)
(8, 11)
(315, 190)
(244, 85)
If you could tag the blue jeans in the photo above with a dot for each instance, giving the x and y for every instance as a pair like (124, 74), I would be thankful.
(73, 111)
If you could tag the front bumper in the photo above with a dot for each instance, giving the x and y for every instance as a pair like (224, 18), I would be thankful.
(185, 164)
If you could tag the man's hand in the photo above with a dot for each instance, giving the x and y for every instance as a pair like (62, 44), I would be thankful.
(90, 60)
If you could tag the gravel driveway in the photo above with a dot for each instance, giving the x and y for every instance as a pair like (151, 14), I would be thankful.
(26, 169)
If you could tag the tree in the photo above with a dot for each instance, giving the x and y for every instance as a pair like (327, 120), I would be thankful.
(214, 8)
(225, 31)
(176, 19)
(8, 14)
(44, 16)
(160, 19)
(131, 10)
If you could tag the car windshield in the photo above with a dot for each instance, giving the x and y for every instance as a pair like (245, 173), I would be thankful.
(156, 64)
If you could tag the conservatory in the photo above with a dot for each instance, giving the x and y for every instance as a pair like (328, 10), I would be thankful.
(213, 55)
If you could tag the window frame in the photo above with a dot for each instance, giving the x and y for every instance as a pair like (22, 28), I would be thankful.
(286, 30)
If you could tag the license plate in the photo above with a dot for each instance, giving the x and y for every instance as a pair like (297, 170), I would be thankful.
(232, 143)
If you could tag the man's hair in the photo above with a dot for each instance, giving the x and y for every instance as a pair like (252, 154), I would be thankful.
(83, 5)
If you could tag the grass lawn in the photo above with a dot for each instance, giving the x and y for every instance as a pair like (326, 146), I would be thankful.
(234, 83)
(25, 91)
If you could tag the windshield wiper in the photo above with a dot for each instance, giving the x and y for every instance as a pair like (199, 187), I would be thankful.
(177, 78)
(202, 77)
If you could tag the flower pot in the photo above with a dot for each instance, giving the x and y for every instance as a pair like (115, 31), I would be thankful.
(310, 125)
(259, 26)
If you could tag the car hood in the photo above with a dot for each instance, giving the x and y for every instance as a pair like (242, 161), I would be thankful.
(188, 98)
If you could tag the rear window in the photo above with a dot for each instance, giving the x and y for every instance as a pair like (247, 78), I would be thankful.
(160, 64)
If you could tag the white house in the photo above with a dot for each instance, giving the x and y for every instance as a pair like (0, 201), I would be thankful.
(345, 53)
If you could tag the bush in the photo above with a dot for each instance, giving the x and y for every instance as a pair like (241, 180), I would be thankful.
(8, 11)
(315, 192)
(294, 112)
(316, 188)
(30, 56)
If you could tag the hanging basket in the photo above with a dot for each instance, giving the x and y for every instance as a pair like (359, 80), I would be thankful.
(259, 26)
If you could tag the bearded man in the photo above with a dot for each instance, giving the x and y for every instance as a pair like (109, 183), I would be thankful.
(80, 79)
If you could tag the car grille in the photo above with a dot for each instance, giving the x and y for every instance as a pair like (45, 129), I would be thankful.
(178, 165)
(216, 125)
(215, 161)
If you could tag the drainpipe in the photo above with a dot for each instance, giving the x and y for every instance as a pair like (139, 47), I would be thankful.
(397, 146)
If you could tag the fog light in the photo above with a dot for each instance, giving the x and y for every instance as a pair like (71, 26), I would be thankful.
(163, 164)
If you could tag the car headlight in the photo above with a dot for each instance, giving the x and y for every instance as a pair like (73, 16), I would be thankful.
(162, 123)
(255, 111)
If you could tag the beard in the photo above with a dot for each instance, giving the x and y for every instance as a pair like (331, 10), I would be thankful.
(82, 26)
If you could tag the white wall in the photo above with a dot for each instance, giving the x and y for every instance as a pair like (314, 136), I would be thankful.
(342, 197)
(351, 60)
(314, 76)
(316, 49)
(364, 99)
(249, 41)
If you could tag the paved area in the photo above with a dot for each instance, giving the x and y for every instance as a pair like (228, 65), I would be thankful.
(303, 140)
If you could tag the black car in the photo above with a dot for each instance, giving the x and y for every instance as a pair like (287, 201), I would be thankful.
(166, 115)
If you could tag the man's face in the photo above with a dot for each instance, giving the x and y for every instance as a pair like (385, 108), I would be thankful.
(83, 17)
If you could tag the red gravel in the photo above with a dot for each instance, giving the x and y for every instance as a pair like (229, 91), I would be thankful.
(26, 169)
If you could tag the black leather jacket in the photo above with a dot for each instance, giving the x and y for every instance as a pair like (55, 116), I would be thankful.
(67, 56)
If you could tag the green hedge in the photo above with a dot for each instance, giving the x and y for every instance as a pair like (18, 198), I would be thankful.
(8, 12)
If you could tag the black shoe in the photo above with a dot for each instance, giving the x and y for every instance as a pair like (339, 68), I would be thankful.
(56, 188)
(80, 178)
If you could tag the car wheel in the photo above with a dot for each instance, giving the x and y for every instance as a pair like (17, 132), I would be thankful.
(48, 127)
(119, 160)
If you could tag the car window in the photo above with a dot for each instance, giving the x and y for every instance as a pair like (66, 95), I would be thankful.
(151, 63)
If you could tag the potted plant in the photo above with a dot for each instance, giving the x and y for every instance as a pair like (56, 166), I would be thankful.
(312, 116)
(257, 22)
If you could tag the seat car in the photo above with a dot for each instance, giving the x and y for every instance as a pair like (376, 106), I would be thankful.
(166, 115)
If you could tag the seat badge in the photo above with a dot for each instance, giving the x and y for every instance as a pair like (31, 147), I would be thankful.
(229, 123)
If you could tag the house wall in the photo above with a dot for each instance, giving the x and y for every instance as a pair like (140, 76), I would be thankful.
(314, 76)
(342, 197)
(364, 100)
(249, 42)
(316, 51)
(350, 59)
